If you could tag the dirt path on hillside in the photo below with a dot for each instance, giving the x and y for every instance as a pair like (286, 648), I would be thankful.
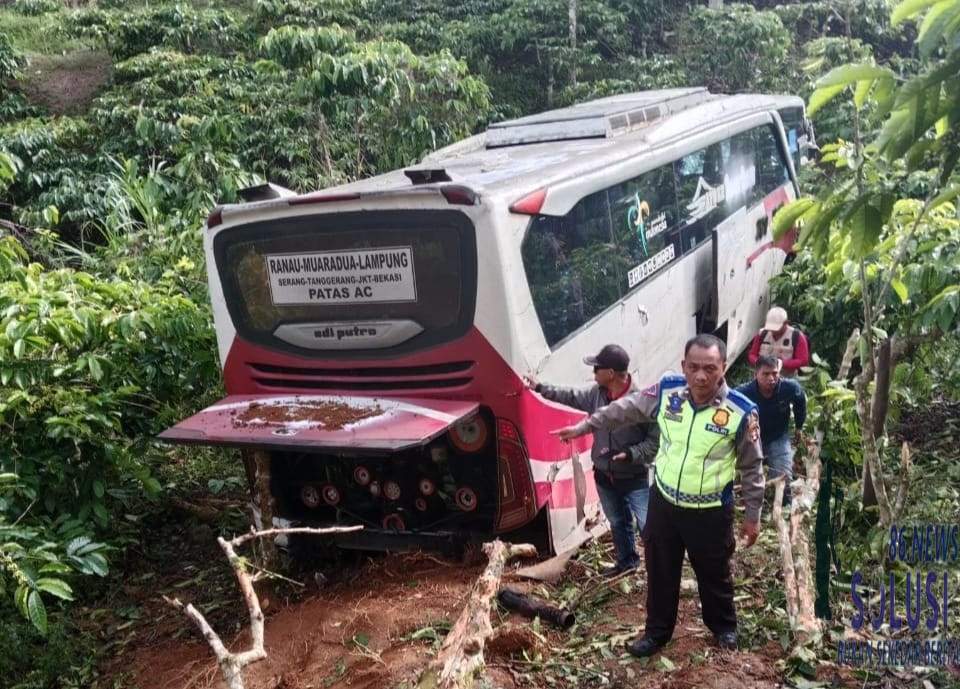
(379, 629)
(65, 84)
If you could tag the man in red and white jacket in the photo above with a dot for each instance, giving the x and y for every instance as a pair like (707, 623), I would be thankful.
(779, 339)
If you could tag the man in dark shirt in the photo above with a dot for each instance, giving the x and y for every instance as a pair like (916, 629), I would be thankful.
(774, 397)
(621, 457)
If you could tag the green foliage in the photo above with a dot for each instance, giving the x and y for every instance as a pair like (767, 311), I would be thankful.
(10, 59)
(870, 24)
(36, 7)
(319, 108)
(89, 367)
(61, 658)
(734, 49)
(178, 27)
(35, 562)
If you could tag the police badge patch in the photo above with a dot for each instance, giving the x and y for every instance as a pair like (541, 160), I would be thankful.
(721, 417)
(674, 410)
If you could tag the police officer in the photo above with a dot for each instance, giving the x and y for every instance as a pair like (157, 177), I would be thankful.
(707, 433)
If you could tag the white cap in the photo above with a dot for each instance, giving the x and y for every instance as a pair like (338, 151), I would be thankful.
(776, 317)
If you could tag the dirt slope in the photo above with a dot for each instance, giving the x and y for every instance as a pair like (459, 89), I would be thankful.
(357, 634)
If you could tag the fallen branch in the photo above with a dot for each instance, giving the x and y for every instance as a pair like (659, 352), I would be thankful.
(794, 536)
(232, 664)
(460, 658)
(786, 551)
(588, 593)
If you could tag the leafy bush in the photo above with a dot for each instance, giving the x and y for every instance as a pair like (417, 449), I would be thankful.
(34, 561)
(178, 27)
(36, 7)
(91, 370)
(735, 49)
(62, 658)
(10, 60)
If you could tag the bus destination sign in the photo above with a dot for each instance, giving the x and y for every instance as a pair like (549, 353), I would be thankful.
(359, 276)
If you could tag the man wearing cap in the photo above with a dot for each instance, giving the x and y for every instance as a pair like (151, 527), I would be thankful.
(621, 457)
(707, 433)
(781, 340)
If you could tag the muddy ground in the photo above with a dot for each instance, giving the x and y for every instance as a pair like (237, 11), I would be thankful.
(383, 620)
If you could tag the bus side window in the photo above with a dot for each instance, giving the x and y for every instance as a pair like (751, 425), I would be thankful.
(740, 173)
(701, 194)
(573, 266)
(772, 169)
(792, 119)
(644, 211)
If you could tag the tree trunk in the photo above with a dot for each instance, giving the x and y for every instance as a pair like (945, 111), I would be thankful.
(881, 393)
(871, 452)
(572, 13)
(878, 414)
(264, 499)
(715, 4)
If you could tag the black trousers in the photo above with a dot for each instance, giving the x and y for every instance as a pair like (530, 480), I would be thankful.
(707, 537)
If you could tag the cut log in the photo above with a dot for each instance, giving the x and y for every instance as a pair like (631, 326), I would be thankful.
(460, 659)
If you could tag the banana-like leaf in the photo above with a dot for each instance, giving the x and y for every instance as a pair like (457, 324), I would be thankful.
(901, 289)
(851, 74)
(822, 96)
(936, 26)
(948, 194)
(907, 9)
(787, 216)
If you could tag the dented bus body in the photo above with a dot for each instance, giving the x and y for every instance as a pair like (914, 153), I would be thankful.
(374, 336)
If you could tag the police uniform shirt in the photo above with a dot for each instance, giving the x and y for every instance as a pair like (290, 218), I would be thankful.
(644, 406)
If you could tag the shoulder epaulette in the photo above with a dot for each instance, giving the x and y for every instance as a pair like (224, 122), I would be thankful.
(668, 382)
(740, 400)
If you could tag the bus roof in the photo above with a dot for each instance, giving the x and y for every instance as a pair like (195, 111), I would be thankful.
(530, 152)
(501, 158)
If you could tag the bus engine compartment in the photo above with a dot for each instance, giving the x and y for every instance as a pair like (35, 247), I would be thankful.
(447, 485)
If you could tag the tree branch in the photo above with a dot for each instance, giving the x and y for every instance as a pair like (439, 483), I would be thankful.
(232, 664)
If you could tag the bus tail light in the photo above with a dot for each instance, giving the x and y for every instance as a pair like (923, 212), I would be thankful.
(458, 195)
(466, 498)
(310, 496)
(215, 218)
(394, 522)
(516, 504)
(530, 204)
(331, 495)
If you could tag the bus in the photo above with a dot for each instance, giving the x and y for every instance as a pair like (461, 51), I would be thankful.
(374, 336)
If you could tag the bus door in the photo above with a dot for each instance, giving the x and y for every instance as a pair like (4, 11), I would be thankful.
(732, 243)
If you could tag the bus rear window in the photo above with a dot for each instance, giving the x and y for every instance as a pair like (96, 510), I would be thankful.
(345, 282)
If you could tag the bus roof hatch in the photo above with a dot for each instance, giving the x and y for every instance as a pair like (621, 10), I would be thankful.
(597, 119)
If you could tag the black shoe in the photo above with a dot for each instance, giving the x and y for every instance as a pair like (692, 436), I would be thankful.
(617, 570)
(727, 641)
(643, 647)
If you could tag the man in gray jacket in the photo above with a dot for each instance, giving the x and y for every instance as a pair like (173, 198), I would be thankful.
(621, 458)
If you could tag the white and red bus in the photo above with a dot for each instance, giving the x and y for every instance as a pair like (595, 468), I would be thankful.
(374, 336)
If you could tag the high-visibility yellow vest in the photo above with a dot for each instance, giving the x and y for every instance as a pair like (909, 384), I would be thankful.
(697, 460)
